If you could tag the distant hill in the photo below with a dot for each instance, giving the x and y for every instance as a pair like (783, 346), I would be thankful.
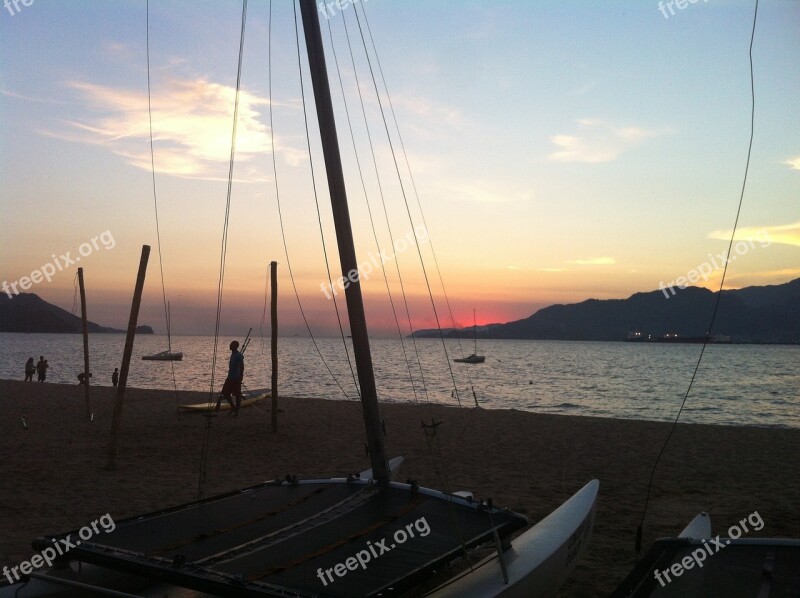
(768, 314)
(27, 312)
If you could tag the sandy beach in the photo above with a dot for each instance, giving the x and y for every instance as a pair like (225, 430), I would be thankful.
(54, 476)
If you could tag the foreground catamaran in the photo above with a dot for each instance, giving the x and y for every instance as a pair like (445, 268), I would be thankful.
(360, 535)
(698, 563)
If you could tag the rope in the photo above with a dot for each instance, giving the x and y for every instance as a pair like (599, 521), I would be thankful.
(719, 291)
(316, 202)
(155, 205)
(416, 194)
(386, 215)
(369, 208)
(223, 253)
(408, 208)
(280, 216)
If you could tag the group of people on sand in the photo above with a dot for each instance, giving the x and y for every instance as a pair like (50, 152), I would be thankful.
(114, 378)
(39, 368)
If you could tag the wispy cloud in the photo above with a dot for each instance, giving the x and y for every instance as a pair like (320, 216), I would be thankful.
(598, 141)
(794, 163)
(19, 96)
(192, 122)
(786, 234)
(594, 261)
(478, 191)
(550, 270)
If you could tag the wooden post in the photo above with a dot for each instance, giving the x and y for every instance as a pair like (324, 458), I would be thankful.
(126, 356)
(85, 328)
(273, 316)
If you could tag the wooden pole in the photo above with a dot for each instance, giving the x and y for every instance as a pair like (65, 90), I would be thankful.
(126, 356)
(273, 316)
(85, 329)
(344, 238)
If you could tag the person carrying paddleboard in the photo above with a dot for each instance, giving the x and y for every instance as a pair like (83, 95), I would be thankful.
(233, 383)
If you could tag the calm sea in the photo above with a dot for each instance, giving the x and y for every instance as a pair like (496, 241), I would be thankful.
(736, 384)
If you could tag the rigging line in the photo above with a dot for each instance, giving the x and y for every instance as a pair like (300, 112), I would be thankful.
(316, 201)
(414, 186)
(369, 211)
(721, 282)
(385, 210)
(280, 218)
(155, 205)
(222, 257)
(434, 446)
(408, 208)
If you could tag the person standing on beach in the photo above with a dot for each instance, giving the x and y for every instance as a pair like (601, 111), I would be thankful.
(41, 368)
(29, 370)
(233, 383)
(115, 377)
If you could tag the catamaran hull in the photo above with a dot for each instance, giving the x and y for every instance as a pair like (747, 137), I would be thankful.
(164, 356)
(539, 560)
(471, 359)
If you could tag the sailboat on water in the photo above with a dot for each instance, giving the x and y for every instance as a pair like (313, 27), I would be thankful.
(169, 354)
(359, 535)
(474, 358)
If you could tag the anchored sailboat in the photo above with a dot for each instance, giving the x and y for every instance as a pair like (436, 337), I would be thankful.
(360, 535)
(474, 358)
(169, 354)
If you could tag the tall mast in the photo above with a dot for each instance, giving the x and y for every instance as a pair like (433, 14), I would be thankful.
(344, 238)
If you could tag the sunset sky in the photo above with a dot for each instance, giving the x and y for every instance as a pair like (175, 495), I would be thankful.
(561, 151)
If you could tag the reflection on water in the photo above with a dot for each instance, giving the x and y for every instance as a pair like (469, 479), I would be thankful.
(736, 384)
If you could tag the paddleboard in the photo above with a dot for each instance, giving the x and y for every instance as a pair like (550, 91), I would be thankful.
(224, 406)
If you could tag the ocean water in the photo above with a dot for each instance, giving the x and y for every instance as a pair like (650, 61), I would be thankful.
(736, 384)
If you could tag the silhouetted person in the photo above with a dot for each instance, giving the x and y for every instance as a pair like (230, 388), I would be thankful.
(30, 370)
(233, 383)
(41, 368)
(115, 377)
(82, 378)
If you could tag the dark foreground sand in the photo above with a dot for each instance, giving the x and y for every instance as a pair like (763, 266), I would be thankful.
(54, 477)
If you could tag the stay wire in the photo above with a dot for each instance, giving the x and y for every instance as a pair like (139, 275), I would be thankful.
(319, 212)
(280, 221)
(222, 259)
(408, 208)
(386, 212)
(155, 205)
(432, 440)
(721, 284)
(414, 189)
(369, 210)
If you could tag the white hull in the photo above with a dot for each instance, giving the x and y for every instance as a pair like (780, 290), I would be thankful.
(164, 356)
(539, 560)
